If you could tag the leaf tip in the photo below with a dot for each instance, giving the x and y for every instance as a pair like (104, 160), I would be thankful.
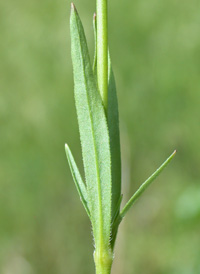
(66, 147)
(94, 16)
(174, 153)
(73, 8)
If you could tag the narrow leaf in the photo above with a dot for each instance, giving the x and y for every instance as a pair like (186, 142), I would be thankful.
(142, 188)
(77, 178)
(93, 134)
(113, 127)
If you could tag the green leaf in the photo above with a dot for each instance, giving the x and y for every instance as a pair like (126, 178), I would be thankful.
(77, 179)
(113, 127)
(142, 188)
(115, 223)
(93, 134)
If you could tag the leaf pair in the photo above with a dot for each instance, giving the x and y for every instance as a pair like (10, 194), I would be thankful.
(99, 134)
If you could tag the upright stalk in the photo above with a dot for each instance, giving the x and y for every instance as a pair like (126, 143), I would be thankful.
(103, 262)
(102, 50)
(103, 257)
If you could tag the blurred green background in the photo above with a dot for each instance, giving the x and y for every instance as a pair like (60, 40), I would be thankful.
(155, 48)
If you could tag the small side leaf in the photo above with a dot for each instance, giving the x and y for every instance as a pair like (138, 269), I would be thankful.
(142, 188)
(77, 178)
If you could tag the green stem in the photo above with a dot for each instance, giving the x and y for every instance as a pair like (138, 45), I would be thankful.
(103, 256)
(102, 50)
(103, 262)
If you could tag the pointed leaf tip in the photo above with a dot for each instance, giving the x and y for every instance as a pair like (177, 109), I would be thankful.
(73, 6)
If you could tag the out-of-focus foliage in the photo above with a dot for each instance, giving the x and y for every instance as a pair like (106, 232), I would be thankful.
(155, 50)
